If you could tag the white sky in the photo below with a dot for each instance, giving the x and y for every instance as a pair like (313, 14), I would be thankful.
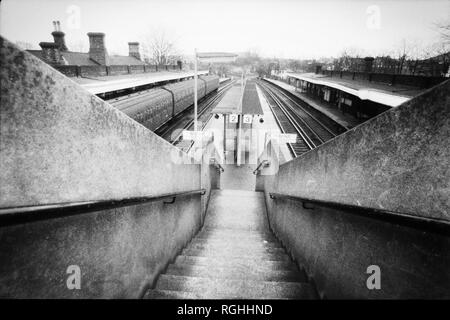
(281, 28)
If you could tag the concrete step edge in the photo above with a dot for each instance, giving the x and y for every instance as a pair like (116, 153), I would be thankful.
(217, 243)
(244, 288)
(185, 295)
(236, 273)
(200, 260)
(169, 294)
(272, 256)
(244, 256)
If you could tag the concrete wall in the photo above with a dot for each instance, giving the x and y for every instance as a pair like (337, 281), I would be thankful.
(398, 161)
(93, 71)
(120, 252)
(117, 70)
(61, 144)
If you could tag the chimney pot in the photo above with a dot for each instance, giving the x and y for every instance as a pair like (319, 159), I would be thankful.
(58, 37)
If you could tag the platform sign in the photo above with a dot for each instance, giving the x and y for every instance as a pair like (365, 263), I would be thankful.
(247, 118)
(233, 118)
(197, 135)
(192, 135)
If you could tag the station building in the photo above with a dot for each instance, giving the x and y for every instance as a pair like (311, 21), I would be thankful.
(361, 95)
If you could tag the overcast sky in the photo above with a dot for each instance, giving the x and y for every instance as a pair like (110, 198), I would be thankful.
(282, 28)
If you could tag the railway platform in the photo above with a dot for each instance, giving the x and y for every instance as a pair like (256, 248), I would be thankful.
(241, 124)
(379, 92)
(346, 120)
(104, 85)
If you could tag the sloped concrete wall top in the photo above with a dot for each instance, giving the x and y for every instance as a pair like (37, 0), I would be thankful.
(59, 143)
(398, 161)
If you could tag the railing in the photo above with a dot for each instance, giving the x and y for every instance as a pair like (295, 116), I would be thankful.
(422, 223)
(217, 165)
(19, 215)
(263, 164)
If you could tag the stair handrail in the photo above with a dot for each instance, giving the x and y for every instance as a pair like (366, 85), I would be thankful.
(435, 225)
(263, 164)
(25, 214)
(217, 165)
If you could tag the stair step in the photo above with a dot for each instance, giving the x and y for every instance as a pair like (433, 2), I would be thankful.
(236, 273)
(241, 234)
(242, 239)
(219, 243)
(183, 295)
(170, 294)
(245, 254)
(249, 263)
(239, 193)
(224, 288)
(225, 229)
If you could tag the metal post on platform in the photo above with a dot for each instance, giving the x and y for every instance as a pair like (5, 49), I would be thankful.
(195, 90)
(224, 137)
(238, 141)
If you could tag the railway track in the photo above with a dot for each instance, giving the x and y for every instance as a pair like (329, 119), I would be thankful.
(294, 117)
(172, 130)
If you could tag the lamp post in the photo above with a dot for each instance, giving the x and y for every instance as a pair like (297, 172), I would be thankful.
(207, 57)
(195, 91)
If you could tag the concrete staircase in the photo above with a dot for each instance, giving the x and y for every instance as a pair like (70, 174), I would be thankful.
(234, 256)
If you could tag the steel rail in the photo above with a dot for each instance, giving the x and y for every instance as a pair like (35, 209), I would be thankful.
(300, 118)
(281, 92)
(277, 120)
(302, 134)
(202, 111)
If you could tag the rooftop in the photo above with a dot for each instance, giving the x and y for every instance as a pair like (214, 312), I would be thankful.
(97, 85)
(231, 101)
(237, 102)
(365, 90)
(82, 59)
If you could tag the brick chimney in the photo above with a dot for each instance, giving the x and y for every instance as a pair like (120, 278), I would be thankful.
(58, 36)
(368, 63)
(97, 49)
(133, 50)
(51, 53)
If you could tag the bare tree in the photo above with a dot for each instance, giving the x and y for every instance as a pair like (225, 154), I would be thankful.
(159, 48)
(444, 30)
(401, 54)
(346, 60)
